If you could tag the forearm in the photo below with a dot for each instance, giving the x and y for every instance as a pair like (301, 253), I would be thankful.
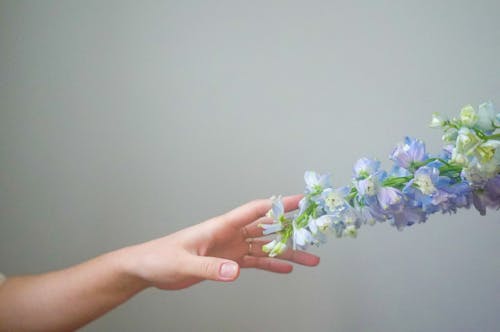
(69, 298)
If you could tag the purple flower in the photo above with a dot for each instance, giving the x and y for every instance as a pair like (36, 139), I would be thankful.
(487, 197)
(426, 189)
(409, 152)
(391, 200)
(459, 196)
(407, 217)
(465, 173)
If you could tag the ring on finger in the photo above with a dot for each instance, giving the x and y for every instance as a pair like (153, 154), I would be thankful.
(250, 246)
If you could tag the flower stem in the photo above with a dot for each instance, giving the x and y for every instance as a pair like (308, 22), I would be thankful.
(496, 136)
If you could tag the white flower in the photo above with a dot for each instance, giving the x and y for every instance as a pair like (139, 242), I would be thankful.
(271, 228)
(274, 248)
(301, 237)
(486, 151)
(437, 120)
(321, 224)
(450, 135)
(424, 183)
(467, 141)
(468, 116)
(351, 231)
(486, 117)
(459, 158)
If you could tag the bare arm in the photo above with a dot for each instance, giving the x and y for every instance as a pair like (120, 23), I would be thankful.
(66, 299)
(215, 250)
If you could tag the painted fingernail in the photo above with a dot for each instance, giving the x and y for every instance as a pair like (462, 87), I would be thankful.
(228, 270)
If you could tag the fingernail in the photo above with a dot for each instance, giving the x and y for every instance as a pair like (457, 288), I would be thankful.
(228, 270)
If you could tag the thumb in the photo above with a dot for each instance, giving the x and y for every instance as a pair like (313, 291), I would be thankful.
(212, 268)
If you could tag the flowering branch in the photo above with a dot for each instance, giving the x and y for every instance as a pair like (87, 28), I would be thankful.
(466, 173)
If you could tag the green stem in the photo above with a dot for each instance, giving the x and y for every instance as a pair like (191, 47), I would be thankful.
(301, 220)
(397, 182)
(447, 123)
(496, 136)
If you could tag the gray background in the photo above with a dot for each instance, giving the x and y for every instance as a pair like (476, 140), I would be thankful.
(123, 121)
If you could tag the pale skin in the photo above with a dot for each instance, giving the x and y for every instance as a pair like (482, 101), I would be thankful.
(213, 250)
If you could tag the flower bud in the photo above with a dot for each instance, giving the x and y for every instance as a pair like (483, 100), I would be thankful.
(437, 120)
(468, 116)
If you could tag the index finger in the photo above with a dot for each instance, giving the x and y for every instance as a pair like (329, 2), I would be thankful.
(256, 209)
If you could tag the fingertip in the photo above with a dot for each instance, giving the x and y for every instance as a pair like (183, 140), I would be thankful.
(311, 261)
(291, 202)
(229, 271)
(281, 267)
(315, 261)
(293, 197)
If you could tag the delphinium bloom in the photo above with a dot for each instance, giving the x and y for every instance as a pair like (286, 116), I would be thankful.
(466, 173)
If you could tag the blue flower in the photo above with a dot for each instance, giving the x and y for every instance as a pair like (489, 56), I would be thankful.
(365, 167)
(333, 200)
(301, 237)
(277, 213)
(425, 189)
(459, 196)
(367, 177)
(271, 228)
(408, 216)
(319, 227)
(466, 173)
(391, 200)
(370, 214)
(277, 208)
(409, 152)
(447, 152)
(316, 183)
(321, 224)
(370, 186)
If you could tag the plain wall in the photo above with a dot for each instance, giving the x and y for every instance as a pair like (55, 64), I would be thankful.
(124, 121)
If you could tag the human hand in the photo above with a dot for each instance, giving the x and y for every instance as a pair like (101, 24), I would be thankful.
(214, 249)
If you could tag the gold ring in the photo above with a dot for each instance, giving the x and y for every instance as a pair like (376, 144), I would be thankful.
(249, 247)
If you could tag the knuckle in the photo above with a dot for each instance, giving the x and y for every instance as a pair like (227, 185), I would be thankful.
(207, 268)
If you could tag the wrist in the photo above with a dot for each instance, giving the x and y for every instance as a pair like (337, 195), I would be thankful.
(127, 264)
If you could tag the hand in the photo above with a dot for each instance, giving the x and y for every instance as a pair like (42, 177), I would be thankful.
(214, 249)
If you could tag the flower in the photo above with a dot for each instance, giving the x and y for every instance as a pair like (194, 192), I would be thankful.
(277, 208)
(426, 189)
(301, 237)
(390, 199)
(334, 199)
(315, 183)
(365, 167)
(274, 248)
(467, 141)
(351, 231)
(271, 228)
(450, 135)
(437, 121)
(323, 223)
(485, 152)
(486, 117)
(277, 212)
(466, 173)
(468, 116)
(409, 152)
